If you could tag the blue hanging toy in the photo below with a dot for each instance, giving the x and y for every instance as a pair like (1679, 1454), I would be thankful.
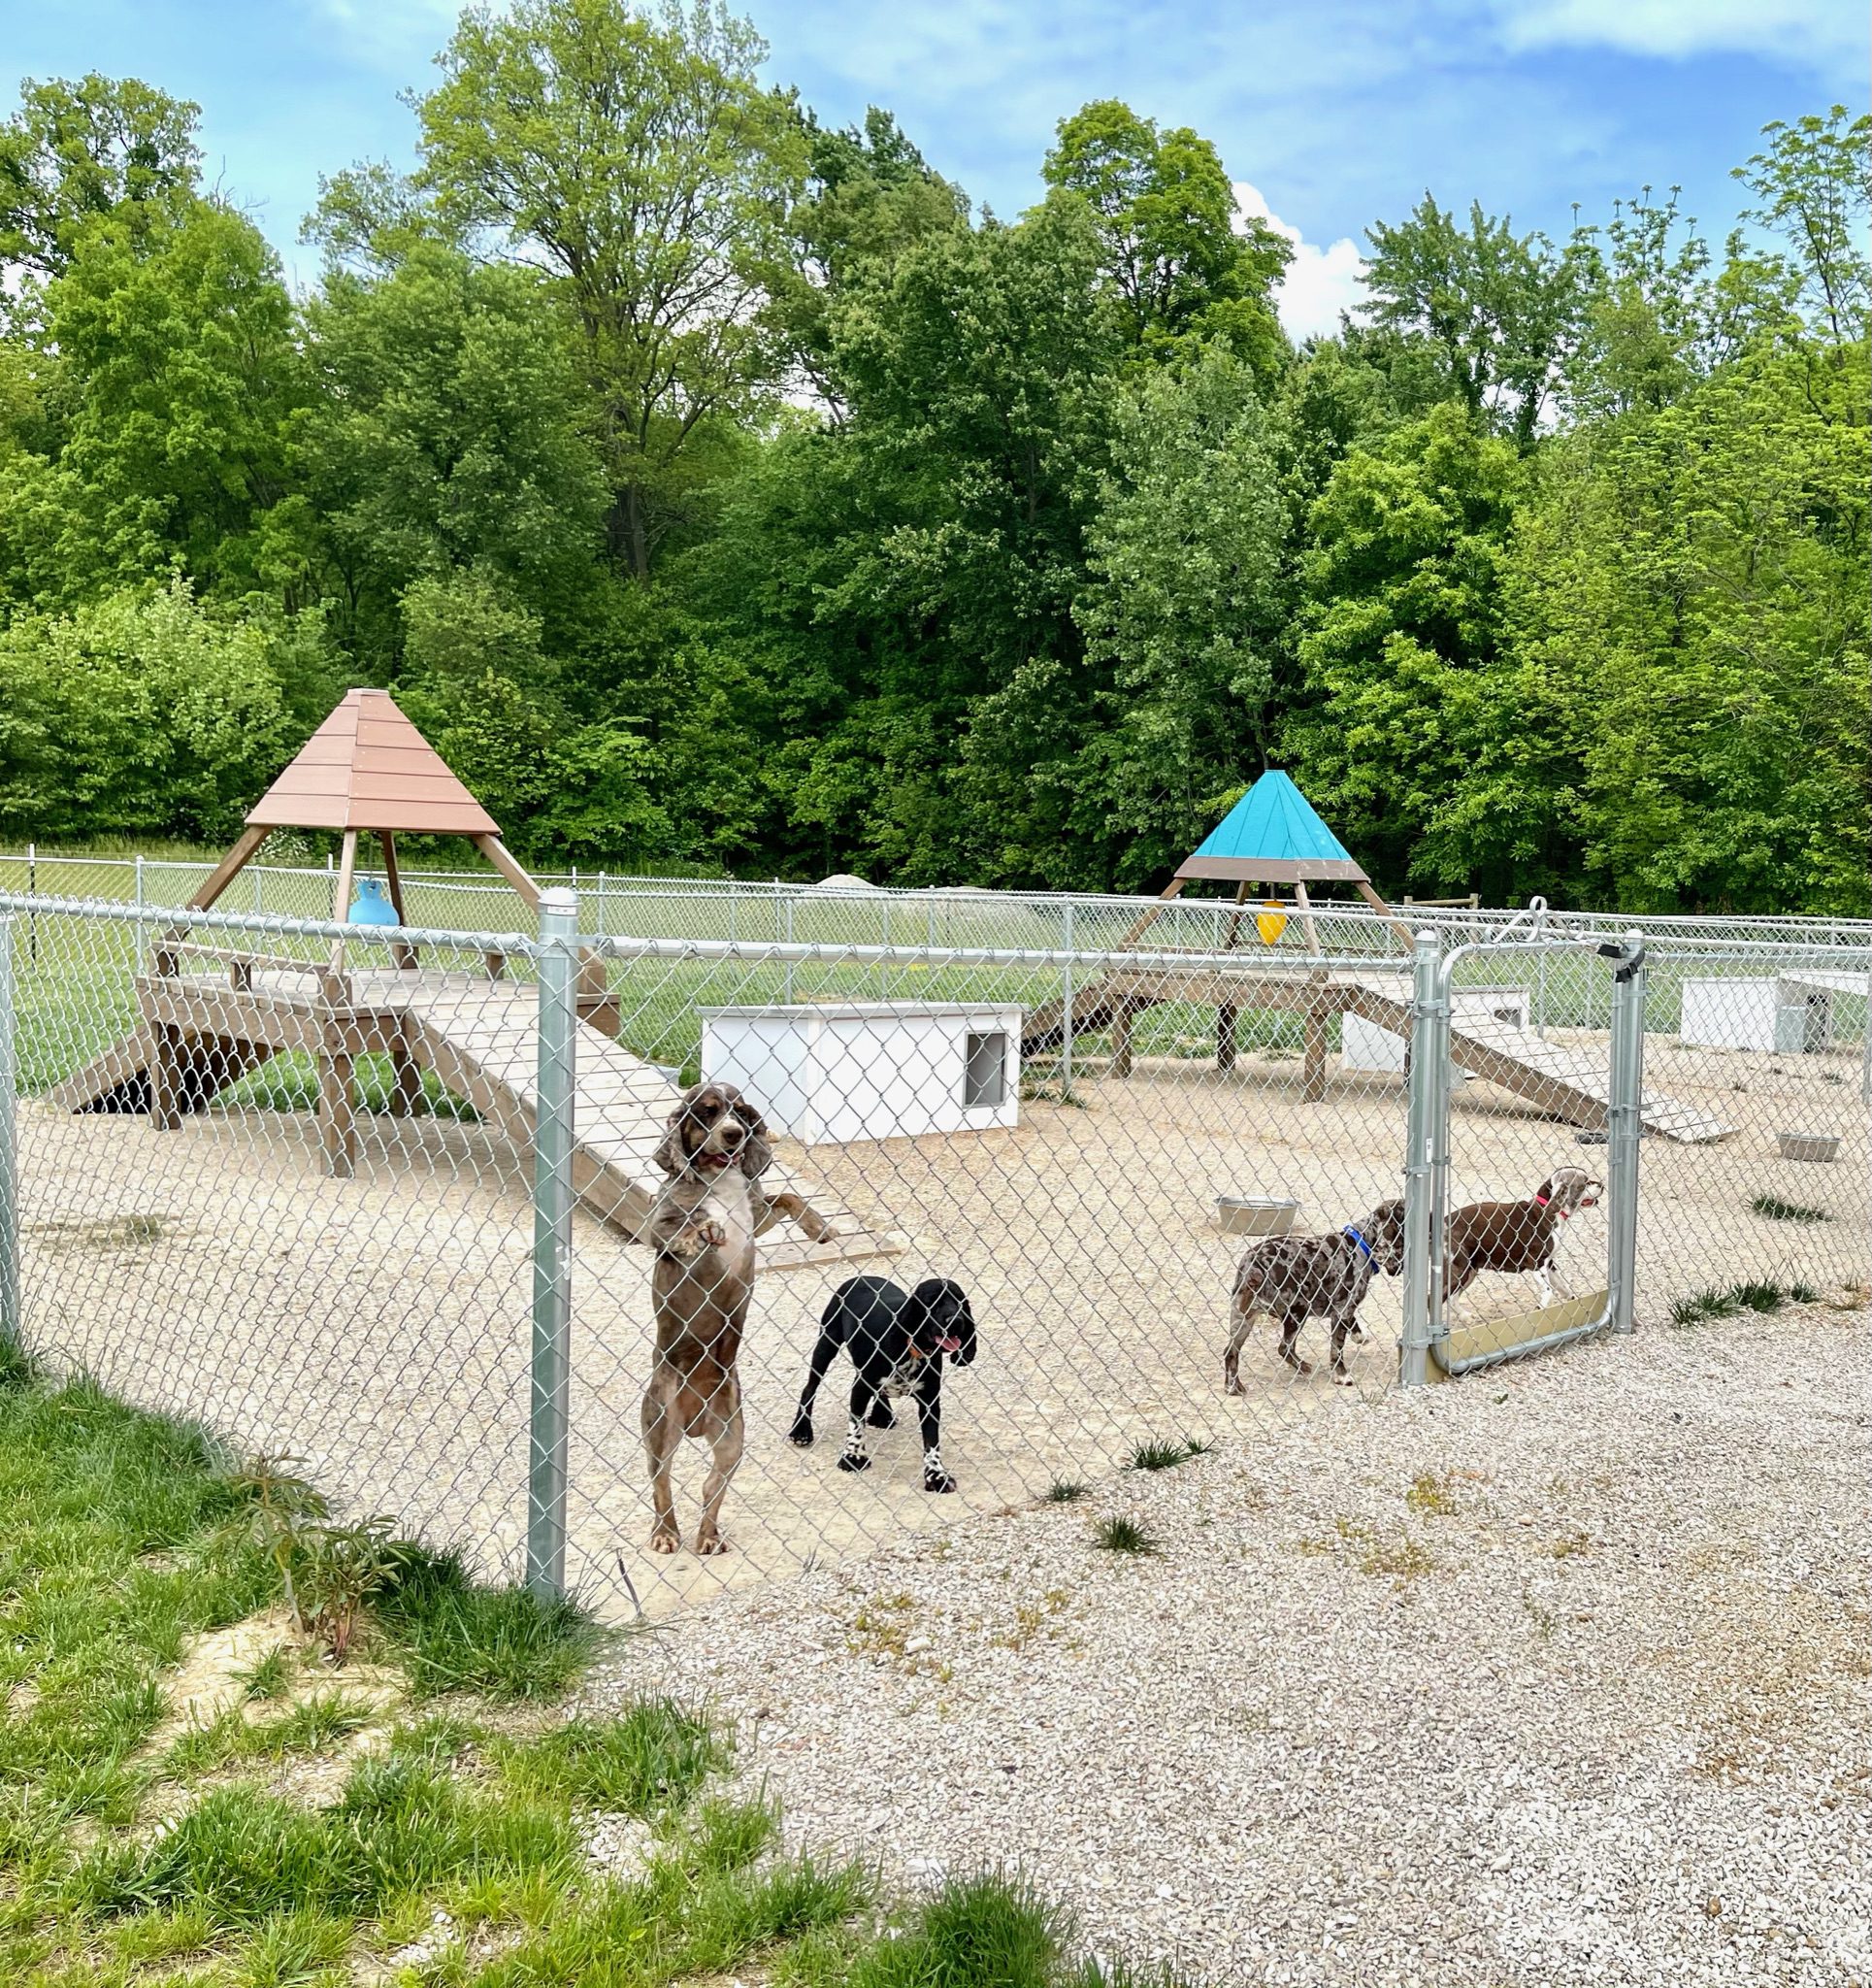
(371, 906)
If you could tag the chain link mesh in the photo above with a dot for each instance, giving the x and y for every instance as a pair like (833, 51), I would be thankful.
(277, 1174)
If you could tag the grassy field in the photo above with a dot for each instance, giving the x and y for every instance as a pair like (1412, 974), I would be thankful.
(194, 1790)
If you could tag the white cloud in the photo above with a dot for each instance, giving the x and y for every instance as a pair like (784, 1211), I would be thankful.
(1817, 32)
(1319, 283)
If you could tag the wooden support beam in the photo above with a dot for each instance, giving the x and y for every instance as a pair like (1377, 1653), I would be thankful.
(1313, 1070)
(166, 1079)
(1225, 1037)
(337, 1109)
(245, 847)
(1122, 1019)
(1391, 917)
(1173, 889)
(497, 853)
(1306, 919)
(405, 1072)
(401, 957)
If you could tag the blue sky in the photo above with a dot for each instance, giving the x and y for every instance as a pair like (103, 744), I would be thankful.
(1332, 112)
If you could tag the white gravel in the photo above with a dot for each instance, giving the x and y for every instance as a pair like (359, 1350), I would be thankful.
(1606, 1719)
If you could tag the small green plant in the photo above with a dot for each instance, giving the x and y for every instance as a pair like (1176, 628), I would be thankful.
(1165, 1456)
(1700, 1306)
(276, 1506)
(974, 1931)
(1120, 1535)
(268, 1678)
(1803, 1294)
(454, 1634)
(1757, 1297)
(1775, 1209)
(342, 1570)
(1431, 1493)
(1065, 1491)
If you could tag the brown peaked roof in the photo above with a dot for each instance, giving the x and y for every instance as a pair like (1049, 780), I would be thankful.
(367, 767)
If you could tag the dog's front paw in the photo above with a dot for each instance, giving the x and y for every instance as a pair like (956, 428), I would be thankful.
(1340, 1375)
(1232, 1384)
(711, 1235)
(852, 1460)
(937, 1480)
(802, 1432)
(708, 1540)
(666, 1540)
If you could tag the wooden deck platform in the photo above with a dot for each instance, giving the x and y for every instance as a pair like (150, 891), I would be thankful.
(201, 1032)
(1567, 1082)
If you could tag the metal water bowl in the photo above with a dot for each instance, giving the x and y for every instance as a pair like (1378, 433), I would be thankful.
(1250, 1214)
(1808, 1145)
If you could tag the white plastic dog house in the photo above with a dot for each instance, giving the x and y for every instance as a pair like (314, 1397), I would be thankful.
(834, 1071)
(1365, 1045)
(1791, 1015)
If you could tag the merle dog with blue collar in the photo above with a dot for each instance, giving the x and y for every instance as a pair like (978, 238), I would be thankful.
(1297, 1277)
(897, 1340)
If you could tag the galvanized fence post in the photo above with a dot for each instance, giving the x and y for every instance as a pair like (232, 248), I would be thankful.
(552, 1244)
(1426, 1049)
(1625, 1130)
(1066, 1011)
(13, 1324)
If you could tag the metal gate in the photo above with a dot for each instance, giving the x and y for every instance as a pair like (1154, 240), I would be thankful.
(1547, 1035)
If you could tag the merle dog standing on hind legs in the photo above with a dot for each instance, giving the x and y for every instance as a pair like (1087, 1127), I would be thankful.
(897, 1340)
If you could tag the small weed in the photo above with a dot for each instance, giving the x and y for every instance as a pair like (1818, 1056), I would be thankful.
(1431, 1493)
(1758, 1297)
(1803, 1294)
(1702, 1304)
(883, 1627)
(1775, 1209)
(1165, 1456)
(269, 1679)
(1120, 1535)
(1402, 1557)
(1570, 1544)
(1065, 1491)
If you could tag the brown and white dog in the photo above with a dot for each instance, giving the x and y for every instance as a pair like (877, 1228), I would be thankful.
(1517, 1237)
(1297, 1277)
(702, 1229)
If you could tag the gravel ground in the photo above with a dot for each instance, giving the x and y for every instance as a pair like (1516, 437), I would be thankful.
(1558, 1676)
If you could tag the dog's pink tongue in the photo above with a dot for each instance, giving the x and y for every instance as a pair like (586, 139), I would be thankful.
(950, 1345)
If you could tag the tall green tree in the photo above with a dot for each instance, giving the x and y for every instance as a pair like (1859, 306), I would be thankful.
(1499, 308)
(640, 160)
(1180, 259)
(76, 150)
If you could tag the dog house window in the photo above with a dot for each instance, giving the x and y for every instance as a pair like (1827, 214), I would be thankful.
(985, 1079)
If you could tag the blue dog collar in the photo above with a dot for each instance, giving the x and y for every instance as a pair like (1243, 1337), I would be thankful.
(1365, 1247)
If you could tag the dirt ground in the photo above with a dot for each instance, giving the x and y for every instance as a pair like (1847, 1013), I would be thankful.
(380, 1328)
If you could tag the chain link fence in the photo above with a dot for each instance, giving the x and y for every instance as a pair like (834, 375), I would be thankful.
(383, 1200)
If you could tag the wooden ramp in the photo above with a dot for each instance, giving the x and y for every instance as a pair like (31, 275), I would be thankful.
(1564, 1081)
(481, 1038)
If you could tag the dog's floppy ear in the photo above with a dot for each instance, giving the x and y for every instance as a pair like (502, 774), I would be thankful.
(965, 1354)
(672, 1155)
(757, 1155)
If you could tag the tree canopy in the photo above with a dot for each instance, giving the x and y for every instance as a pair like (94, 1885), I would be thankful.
(722, 488)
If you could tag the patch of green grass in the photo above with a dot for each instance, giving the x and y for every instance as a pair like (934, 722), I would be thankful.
(1776, 1210)
(1803, 1294)
(656, 1755)
(452, 1635)
(1120, 1535)
(121, 1536)
(983, 1931)
(1165, 1456)
(1757, 1296)
(1700, 1306)
(1065, 1491)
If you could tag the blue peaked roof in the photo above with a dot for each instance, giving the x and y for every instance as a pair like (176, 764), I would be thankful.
(1272, 833)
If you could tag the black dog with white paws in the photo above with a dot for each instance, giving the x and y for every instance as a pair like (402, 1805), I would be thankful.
(897, 1340)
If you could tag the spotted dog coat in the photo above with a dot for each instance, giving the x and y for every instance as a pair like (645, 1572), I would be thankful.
(1517, 1237)
(702, 1227)
(897, 1340)
(1297, 1277)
